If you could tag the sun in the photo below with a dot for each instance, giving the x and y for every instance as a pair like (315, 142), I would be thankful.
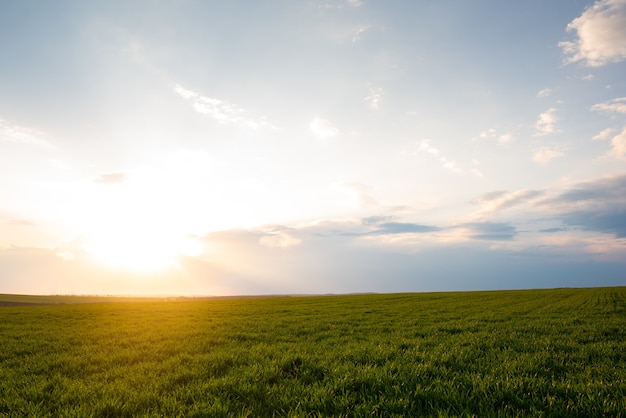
(132, 252)
(137, 227)
(137, 248)
(144, 219)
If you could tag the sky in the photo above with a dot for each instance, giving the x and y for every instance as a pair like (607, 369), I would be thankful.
(188, 147)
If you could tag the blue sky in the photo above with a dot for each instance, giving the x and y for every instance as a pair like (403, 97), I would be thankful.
(315, 146)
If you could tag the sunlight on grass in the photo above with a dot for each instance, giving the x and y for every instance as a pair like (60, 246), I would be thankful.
(529, 353)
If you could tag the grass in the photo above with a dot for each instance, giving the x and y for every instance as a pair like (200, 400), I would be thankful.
(16, 300)
(507, 353)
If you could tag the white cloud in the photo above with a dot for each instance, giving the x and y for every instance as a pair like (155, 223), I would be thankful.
(544, 155)
(618, 151)
(185, 93)
(604, 134)
(546, 122)
(493, 202)
(618, 142)
(488, 133)
(502, 139)
(374, 98)
(354, 3)
(359, 31)
(544, 93)
(424, 146)
(279, 240)
(506, 138)
(617, 105)
(221, 111)
(15, 133)
(600, 34)
(323, 128)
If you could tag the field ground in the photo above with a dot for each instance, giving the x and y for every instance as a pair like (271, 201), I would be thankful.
(555, 352)
(25, 300)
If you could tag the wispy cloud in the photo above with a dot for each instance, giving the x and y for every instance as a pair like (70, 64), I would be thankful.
(488, 133)
(377, 219)
(323, 128)
(607, 191)
(544, 155)
(424, 146)
(597, 205)
(221, 111)
(610, 221)
(502, 139)
(16, 133)
(339, 4)
(354, 3)
(544, 93)
(617, 105)
(552, 230)
(616, 108)
(496, 201)
(546, 122)
(600, 34)
(373, 226)
(506, 138)
(583, 221)
(359, 32)
(280, 239)
(618, 143)
(402, 228)
(490, 231)
(602, 135)
(374, 98)
(488, 197)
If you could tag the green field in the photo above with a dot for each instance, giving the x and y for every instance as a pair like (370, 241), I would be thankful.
(505, 353)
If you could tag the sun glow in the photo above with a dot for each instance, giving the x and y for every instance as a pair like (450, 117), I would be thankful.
(137, 248)
(133, 253)
(144, 221)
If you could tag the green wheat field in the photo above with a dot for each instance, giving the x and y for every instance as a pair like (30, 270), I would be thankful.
(558, 353)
